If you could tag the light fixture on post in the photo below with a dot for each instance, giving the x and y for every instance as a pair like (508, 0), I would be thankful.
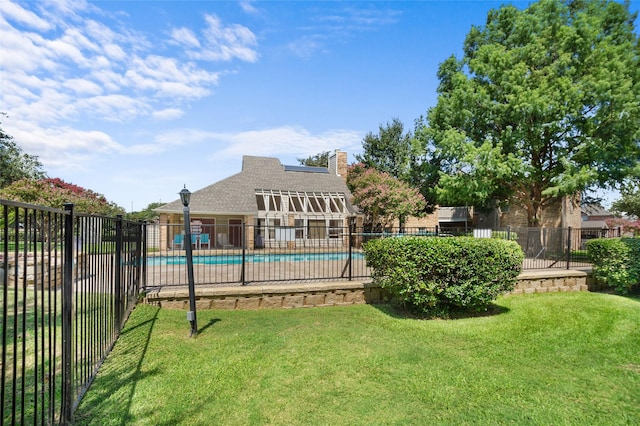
(185, 197)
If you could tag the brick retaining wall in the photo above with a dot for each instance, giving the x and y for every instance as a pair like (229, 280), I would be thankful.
(303, 295)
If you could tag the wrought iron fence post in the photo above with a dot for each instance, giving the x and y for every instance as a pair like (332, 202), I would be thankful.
(509, 233)
(243, 239)
(67, 313)
(143, 255)
(568, 247)
(137, 253)
(118, 272)
(352, 223)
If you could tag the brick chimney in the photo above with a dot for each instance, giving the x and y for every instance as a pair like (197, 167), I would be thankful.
(338, 164)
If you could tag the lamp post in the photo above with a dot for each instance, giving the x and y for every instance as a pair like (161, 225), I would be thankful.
(185, 197)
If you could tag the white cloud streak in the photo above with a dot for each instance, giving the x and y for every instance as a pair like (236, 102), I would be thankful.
(285, 141)
(224, 43)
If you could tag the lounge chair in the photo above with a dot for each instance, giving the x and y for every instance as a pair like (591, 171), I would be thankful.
(178, 240)
(204, 240)
(223, 241)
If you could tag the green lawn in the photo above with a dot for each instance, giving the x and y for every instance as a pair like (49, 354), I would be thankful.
(571, 358)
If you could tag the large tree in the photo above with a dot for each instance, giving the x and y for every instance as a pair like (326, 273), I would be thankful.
(543, 104)
(389, 151)
(629, 202)
(54, 192)
(16, 164)
(318, 160)
(148, 214)
(382, 197)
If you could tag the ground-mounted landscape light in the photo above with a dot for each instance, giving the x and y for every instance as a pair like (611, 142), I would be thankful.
(185, 197)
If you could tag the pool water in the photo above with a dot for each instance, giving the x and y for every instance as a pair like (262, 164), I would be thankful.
(236, 259)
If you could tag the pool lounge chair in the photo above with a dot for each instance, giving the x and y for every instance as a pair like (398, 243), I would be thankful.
(204, 240)
(178, 240)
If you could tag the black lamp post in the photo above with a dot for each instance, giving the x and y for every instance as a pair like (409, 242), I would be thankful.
(185, 197)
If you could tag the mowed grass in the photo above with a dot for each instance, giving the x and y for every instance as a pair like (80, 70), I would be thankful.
(571, 358)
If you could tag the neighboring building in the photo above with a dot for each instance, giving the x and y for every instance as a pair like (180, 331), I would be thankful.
(454, 218)
(594, 213)
(594, 220)
(288, 206)
(562, 213)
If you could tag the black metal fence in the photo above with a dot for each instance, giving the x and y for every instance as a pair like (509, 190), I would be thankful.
(68, 282)
(247, 254)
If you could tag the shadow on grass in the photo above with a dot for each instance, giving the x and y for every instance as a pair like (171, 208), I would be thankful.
(113, 396)
(211, 322)
(398, 311)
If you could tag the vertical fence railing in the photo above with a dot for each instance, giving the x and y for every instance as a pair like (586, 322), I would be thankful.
(61, 313)
(243, 254)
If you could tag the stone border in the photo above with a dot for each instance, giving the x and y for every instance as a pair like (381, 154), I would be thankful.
(269, 296)
(555, 280)
(340, 293)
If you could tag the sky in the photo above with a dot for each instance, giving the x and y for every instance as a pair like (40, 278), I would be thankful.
(137, 99)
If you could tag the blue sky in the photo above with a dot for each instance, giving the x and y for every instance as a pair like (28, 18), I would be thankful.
(134, 99)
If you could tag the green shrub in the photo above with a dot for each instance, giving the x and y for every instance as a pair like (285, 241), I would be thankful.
(437, 276)
(616, 262)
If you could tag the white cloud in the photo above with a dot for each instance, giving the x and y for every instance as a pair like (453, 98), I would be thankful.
(14, 12)
(279, 141)
(114, 107)
(224, 43)
(184, 37)
(286, 141)
(168, 114)
(25, 51)
(63, 147)
(169, 78)
(83, 86)
(306, 46)
(170, 140)
(89, 70)
(249, 8)
(65, 10)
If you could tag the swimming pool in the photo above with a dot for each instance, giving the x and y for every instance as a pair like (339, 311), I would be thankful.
(236, 259)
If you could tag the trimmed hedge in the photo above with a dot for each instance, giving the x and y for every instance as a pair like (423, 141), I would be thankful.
(437, 276)
(616, 262)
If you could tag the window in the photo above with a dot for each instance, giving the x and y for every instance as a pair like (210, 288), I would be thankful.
(274, 203)
(300, 202)
(295, 204)
(299, 229)
(317, 229)
(335, 228)
(271, 227)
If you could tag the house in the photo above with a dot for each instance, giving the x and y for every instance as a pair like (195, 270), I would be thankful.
(277, 205)
(594, 221)
(594, 214)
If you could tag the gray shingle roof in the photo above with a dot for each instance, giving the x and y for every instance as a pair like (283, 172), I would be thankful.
(593, 209)
(236, 194)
